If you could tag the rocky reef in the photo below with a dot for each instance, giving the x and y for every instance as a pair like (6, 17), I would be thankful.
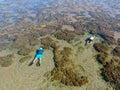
(111, 64)
(48, 42)
(64, 71)
(6, 61)
(23, 59)
(24, 51)
(101, 47)
(111, 73)
(63, 20)
(103, 58)
(116, 51)
(65, 35)
(118, 41)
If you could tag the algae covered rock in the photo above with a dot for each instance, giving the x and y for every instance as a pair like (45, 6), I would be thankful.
(24, 51)
(6, 61)
(48, 42)
(68, 77)
(65, 35)
(34, 42)
(108, 37)
(64, 71)
(101, 47)
(103, 58)
(116, 51)
(111, 73)
(23, 59)
(118, 41)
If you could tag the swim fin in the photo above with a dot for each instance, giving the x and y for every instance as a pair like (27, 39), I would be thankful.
(30, 63)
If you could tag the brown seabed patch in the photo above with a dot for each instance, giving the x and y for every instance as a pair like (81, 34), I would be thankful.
(64, 71)
(6, 61)
(111, 64)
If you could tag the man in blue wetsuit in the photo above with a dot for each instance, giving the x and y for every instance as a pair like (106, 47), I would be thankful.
(38, 57)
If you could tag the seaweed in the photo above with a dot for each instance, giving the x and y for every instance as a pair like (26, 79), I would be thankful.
(101, 47)
(33, 42)
(48, 42)
(6, 61)
(68, 76)
(23, 59)
(111, 64)
(111, 73)
(116, 51)
(108, 39)
(65, 35)
(118, 41)
(64, 70)
(103, 58)
(24, 51)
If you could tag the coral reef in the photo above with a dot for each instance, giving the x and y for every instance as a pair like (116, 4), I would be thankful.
(6, 61)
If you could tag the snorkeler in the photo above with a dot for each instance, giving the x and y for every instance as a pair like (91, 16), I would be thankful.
(90, 40)
(38, 57)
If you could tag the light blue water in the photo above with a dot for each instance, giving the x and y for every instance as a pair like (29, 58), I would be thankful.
(12, 11)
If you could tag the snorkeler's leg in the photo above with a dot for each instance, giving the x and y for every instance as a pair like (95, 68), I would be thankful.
(35, 60)
(38, 62)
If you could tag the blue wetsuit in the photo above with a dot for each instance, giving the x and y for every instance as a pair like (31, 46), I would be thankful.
(39, 54)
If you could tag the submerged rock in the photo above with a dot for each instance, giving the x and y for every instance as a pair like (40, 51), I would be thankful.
(101, 47)
(111, 73)
(67, 27)
(108, 39)
(24, 51)
(118, 41)
(103, 58)
(116, 51)
(64, 35)
(64, 71)
(34, 42)
(48, 42)
(26, 58)
(6, 60)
